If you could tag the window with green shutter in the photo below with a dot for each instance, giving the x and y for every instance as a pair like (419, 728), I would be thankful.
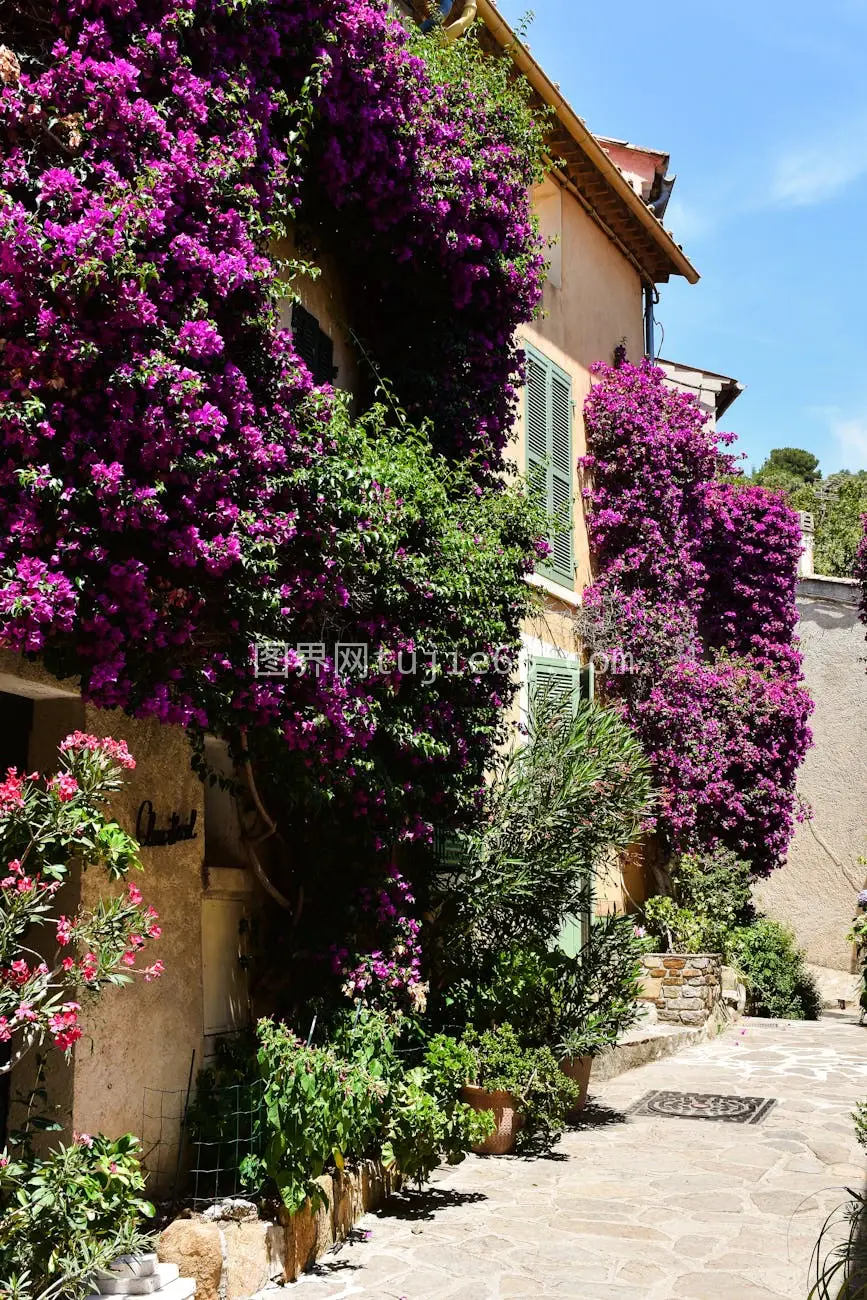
(549, 457)
(563, 681)
(569, 682)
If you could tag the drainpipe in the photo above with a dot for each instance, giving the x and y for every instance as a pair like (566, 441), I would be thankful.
(465, 22)
(650, 297)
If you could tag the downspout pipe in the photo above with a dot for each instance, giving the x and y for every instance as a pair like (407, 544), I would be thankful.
(650, 297)
(463, 24)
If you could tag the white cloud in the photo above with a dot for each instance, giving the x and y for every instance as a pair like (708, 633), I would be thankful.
(851, 438)
(815, 172)
(687, 224)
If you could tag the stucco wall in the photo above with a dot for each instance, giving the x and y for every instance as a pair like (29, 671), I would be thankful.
(815, 891)
(592, 302)
(133, 1064)
(129, 1071)
(596, 305)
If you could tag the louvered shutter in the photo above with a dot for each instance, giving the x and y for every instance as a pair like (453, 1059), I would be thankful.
(561, 475)
(313, 345)
(549, 456)
(557, 681)
(537, 427)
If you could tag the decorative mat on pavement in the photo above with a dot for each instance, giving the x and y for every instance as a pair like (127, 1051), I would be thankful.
(704, 1105)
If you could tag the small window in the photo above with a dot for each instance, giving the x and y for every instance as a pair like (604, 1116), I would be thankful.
(563, 681)
(313, 345)
(549, 457)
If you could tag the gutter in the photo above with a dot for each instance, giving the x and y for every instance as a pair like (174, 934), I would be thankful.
(584, 138)
(464, 23)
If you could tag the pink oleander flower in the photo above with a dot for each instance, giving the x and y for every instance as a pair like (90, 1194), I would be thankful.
(65, 931)
(134, 894)
(114, 749)
(11, 791)
(64, 786)
(154, 972)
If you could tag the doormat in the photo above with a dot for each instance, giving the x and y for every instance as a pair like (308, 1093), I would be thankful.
(721, 1107)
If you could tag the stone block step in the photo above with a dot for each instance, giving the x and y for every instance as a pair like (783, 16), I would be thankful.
(163, 1283)
(130, 1266)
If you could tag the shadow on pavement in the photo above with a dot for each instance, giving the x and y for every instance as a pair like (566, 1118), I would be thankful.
(595, 1115)
(425, 1204)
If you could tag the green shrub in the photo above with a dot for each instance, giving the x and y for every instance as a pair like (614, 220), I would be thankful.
(710, 897)
(64, 1216)
(533, 1075)
(554, 810)
(318, 1107)
(576, 1005)
(421, 1128)
(595, 996)
(774, 971)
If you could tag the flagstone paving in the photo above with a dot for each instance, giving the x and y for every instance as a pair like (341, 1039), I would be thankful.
(637, 1207)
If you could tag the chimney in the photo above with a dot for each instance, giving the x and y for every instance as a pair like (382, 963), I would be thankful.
(805, 563)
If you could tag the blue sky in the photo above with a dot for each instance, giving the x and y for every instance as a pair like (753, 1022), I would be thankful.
(763, 107)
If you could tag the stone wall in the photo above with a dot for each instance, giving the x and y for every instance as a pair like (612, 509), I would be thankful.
(232, 1253)
(815, 891)
(686, 989)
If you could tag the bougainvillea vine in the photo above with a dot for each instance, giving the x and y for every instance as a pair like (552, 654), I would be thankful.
(699, 572)
(173, 487)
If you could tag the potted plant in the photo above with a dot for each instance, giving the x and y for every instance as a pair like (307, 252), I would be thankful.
(524, 1088)
(596, 996)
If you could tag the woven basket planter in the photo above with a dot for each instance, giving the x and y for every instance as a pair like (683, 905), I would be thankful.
(507, 1117)
(578, 1069)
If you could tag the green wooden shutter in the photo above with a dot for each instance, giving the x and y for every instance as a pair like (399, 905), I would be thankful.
(569, 681)
(559, 680)
(560, 560)
(537, 426)
(549, 456)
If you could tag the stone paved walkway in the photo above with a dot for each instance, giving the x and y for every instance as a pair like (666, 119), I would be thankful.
(638, 1208)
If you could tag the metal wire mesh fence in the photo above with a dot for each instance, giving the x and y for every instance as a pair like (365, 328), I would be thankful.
(162, 1135)
(226, 1135)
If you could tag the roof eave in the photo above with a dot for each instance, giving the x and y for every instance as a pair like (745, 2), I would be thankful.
(587, 142)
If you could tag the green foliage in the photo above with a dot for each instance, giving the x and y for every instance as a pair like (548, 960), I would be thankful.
(788, 466)
(321, 1108)
(840, 1270)
(712, 911)
(774, 971)
(859, 1115)
(544, 1093)
(578, 1005)
(711, 896)
(324, 1106)
(66, 1215)
(595, 996)
(427, 1121)
(836, 503)
(554, 810)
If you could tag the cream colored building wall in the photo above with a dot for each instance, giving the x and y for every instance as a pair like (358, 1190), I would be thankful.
(133, 1063)
(129, 1071)
(592, 303)
(323, 296)
(815, 891)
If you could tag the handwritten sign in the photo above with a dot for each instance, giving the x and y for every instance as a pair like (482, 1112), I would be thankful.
(151, 836)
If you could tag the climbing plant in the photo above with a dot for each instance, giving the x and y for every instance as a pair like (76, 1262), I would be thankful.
(174, 489)
(695, 581)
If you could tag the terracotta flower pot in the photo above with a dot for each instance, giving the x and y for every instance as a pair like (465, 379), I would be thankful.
(507, 1117)
(578, 1068)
